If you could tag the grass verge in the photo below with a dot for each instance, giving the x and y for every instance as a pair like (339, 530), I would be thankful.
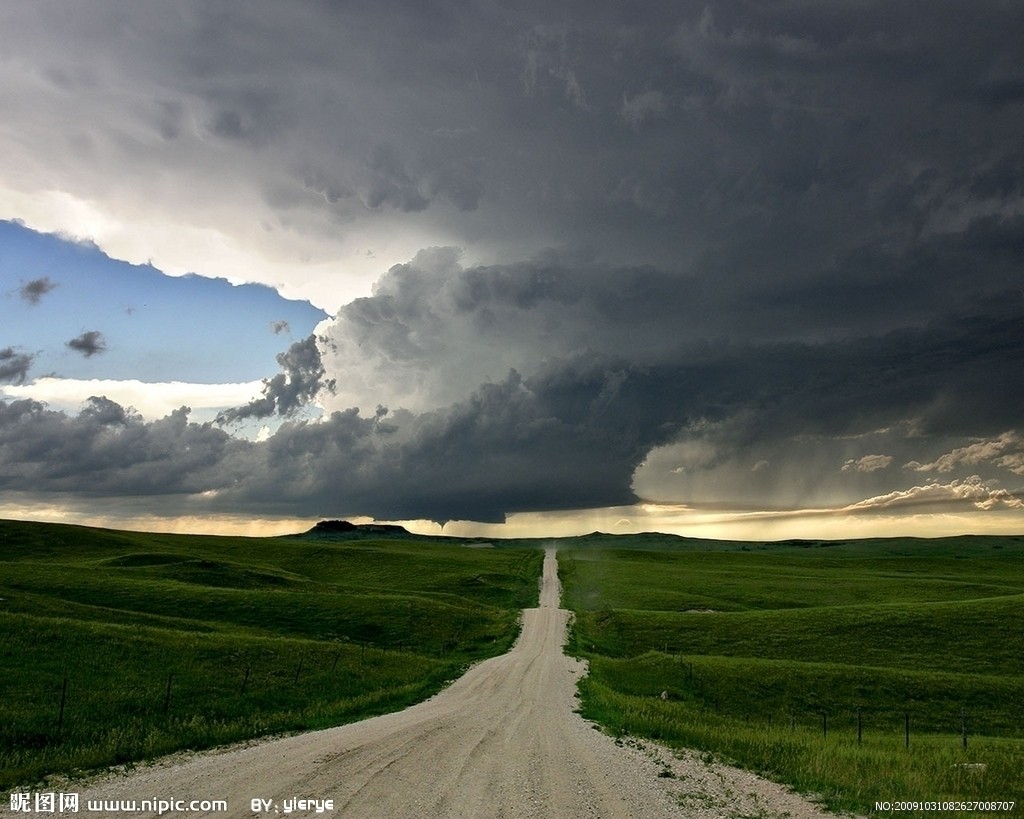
(813, 666)
(117, 647)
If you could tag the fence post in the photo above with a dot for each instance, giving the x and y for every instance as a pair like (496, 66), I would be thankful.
(824, 724)
(167, 696)
(906, 728)
(245, 681)
(298, 670)
(63, 702)
(860, 727)
(963, 726)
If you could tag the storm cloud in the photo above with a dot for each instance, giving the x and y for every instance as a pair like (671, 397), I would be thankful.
(775, 424)
(749, 141)
(763, 255)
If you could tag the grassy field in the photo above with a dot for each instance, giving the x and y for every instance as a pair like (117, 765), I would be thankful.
(118, 646)
(778, 656)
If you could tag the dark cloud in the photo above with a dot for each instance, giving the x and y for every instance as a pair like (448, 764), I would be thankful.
(776, 140)
(89, 343)
(759, 416)
(278, 327)
(33, 291)
(434, 329)
(840, 421)
(288, 391)
(758, 253)
(561, 383)
(14, 366)
(558, 440)
(107, 413)
(511, 445)
(107, 451)
(778, 423)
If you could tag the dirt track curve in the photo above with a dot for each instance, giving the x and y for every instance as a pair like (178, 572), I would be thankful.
(502, 741)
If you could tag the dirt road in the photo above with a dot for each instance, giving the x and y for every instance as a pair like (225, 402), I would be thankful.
(503, 741)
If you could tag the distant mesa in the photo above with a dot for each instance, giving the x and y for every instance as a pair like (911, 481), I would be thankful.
(334, 526)
(347, 529)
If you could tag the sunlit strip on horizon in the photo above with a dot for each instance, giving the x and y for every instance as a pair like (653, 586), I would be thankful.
(677, 519)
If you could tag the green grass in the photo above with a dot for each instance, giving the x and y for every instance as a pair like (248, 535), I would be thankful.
(764, 654)
(249, 636)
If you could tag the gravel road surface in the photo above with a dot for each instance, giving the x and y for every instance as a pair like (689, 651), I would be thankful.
(502, 741)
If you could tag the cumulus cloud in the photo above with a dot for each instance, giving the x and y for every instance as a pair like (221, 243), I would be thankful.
(1006, 451)
(33, 291)
(151, 399)
(14, 366)
(106, 451)
(288, 391)
(867, 463)
(89, 343)
(971, 490)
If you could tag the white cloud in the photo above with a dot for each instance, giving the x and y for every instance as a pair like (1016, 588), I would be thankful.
(1006, 451)
(972, 491)
(151, 400)
(869, 463)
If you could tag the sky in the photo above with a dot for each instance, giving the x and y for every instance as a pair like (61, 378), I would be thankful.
(730, 269)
